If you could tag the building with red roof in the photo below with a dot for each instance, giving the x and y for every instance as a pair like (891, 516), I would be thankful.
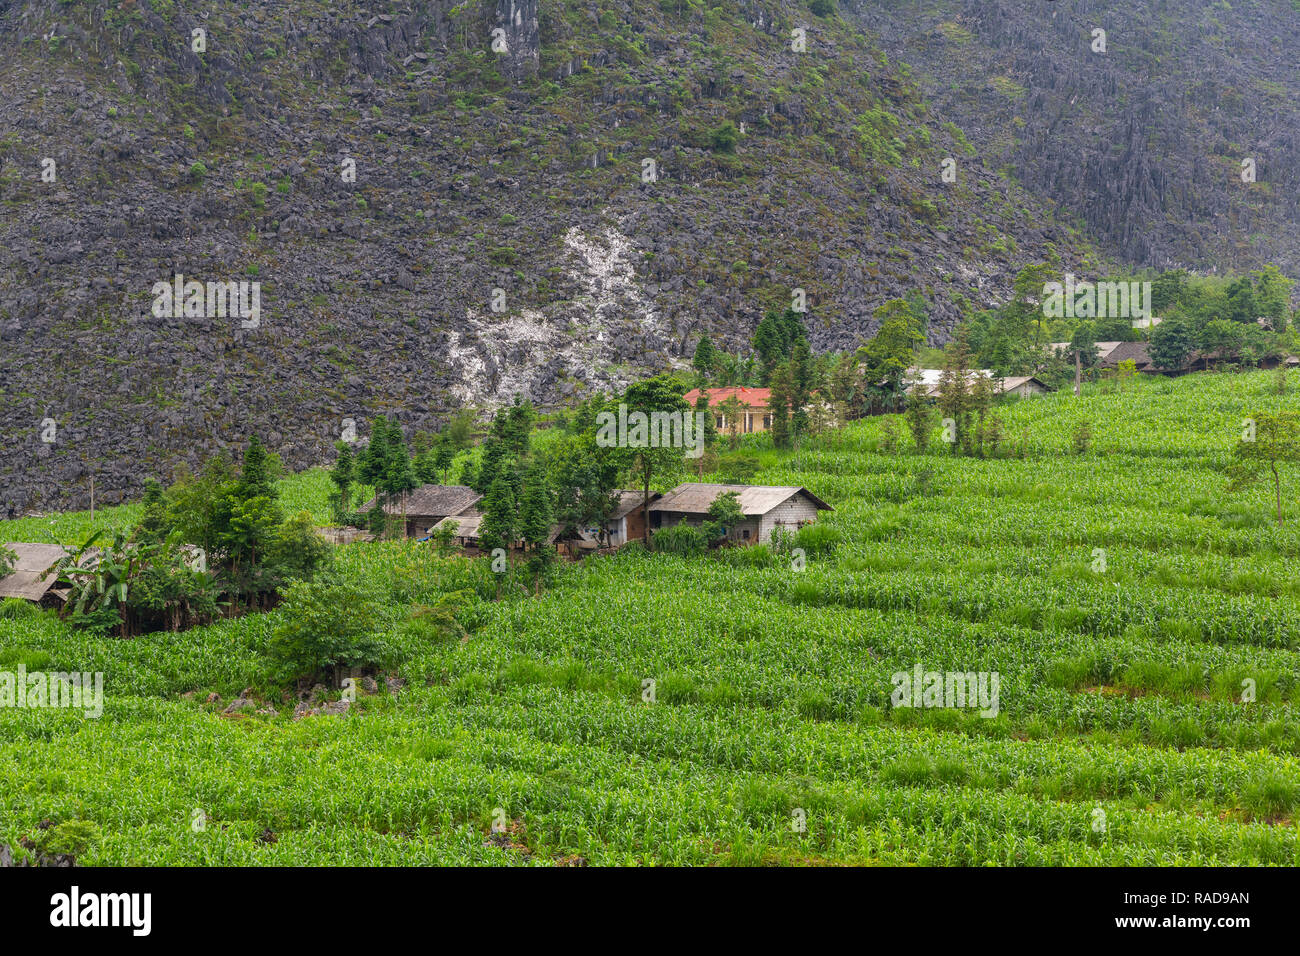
(755, 407)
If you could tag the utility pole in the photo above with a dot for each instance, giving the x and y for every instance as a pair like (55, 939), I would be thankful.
(1078, 371)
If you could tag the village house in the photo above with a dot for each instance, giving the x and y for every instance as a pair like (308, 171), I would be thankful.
(1136, 352)
(755, 407)
(766, 508)
(927, 381)
(627, 523)
(31, 561)
(427, 505)
(464, 528)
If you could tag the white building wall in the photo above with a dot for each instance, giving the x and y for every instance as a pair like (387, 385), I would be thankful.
(789, 514)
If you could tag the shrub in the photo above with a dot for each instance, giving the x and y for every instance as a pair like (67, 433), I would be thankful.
(329, 624)
(817, 538)
(724, 137)
(682, 539)
(70, 838)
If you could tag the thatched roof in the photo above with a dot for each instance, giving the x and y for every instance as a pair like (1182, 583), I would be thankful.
(33, 560)
(695, 497)
(430, 501)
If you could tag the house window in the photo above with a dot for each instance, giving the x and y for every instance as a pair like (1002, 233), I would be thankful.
(745, 533)
(767, 422)
(719, 422)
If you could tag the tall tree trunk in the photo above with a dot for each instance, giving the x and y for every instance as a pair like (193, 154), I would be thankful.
(1277, 485)
(645, 511)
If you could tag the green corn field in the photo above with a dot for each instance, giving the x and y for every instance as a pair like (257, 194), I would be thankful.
(736, 708)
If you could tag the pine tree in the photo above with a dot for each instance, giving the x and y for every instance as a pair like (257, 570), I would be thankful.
(343, 474)
(954, 385)
(374, 457)
(535, 515)
(153, 524)
(919, 418)
(497, 529)
(444, 453)
(780, 406)
(801, 379)
(704, 358)
(398, 475)
(255, 480)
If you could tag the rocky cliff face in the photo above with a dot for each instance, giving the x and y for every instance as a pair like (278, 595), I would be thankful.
(1136, 118)
(519, 39)
(434, 223)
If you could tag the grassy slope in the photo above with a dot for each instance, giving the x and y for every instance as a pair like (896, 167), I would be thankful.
(1119, 691)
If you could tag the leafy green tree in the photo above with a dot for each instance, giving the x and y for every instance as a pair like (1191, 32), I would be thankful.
(1084, 342)
(519, 420)
(1241, 301)
(725, 510)
(846, 386)
(1273, 296)
(373, 460)
(802, 379)
(296, 551)
(444, 453)
(663, 393)
(329, 625)
(779, 405)
(1168, 289)
(724, 137)
(1171, 344)
(257, 477)
(891, 351)
(1027, 298)
(1270, 441)
(1223, 336)
(460, 429)
(954, 390)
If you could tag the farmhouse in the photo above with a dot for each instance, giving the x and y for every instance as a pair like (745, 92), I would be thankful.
(927, 381)
(464, 527)
(755, 407)
(626, 524)
(425, 506)
(766, 508)
(1136, 352)
(31, 562)
(628, 521)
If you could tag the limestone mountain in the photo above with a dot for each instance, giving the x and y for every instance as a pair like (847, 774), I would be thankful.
(447, 204)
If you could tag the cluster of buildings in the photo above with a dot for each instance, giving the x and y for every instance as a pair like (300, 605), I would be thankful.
(434, 509)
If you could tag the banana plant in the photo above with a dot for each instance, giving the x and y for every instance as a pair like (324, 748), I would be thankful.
(99, 584)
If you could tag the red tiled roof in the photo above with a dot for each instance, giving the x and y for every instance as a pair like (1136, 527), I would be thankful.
(753, 397)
